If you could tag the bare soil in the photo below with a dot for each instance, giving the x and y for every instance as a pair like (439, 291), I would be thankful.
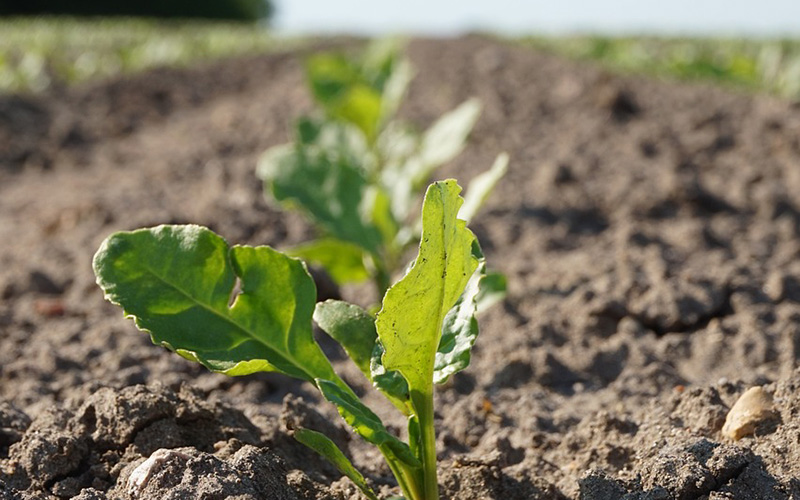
(650, 233)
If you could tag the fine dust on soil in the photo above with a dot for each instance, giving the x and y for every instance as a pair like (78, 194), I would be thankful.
(650, 234)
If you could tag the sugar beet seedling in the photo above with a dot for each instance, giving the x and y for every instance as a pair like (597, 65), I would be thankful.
(358, 173)
(176, 283)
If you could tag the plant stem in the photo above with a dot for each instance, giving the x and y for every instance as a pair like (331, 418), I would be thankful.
(428, 433)
(409, 487)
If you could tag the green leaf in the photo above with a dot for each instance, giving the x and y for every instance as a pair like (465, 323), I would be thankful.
(481, 186)
(326, 184)
(341, 88)
(361, 106)
(409, 324)
(328, 449)
(366, 424)
(492, 290)
(445, 139)
(176, 282)
(344, 261)
(352, 327)
(330, 75)
(390, 383)
(459, 331)
(397, 142)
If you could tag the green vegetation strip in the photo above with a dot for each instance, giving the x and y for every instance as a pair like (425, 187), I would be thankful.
(37, 53)
(761, 65)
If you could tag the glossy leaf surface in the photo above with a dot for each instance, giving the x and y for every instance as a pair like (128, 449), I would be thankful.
(492, 290)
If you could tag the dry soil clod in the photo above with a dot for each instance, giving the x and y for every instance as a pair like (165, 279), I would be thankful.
(753, 408)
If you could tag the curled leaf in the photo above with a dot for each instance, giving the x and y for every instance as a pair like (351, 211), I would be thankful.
(459, 331)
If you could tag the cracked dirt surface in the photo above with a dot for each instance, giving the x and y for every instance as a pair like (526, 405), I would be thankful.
(650, 233)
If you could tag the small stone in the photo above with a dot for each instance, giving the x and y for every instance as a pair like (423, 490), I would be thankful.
(142, 474)
(753, 408)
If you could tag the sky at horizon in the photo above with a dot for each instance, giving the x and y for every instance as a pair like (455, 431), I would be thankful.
(767, 18)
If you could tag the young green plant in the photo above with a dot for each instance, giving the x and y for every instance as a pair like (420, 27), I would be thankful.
(240, 310)
(357, 172)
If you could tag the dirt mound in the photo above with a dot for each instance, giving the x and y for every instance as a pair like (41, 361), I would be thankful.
(650, 233)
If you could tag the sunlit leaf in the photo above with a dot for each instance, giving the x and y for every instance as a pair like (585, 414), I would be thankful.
(330, 75)
(395, 88)
(409, 324)
(177, 282)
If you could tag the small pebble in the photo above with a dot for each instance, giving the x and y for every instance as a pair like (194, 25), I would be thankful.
(142, 474)
(751, 409)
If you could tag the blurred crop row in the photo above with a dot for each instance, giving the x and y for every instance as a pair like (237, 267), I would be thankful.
(37, 53)
(761, 65)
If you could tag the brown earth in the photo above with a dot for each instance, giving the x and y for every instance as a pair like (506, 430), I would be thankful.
(650, 233)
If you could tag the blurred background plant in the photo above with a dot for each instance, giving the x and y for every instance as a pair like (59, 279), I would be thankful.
(359, 173)
(103, 38)
(756, 64)
(36, 53)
